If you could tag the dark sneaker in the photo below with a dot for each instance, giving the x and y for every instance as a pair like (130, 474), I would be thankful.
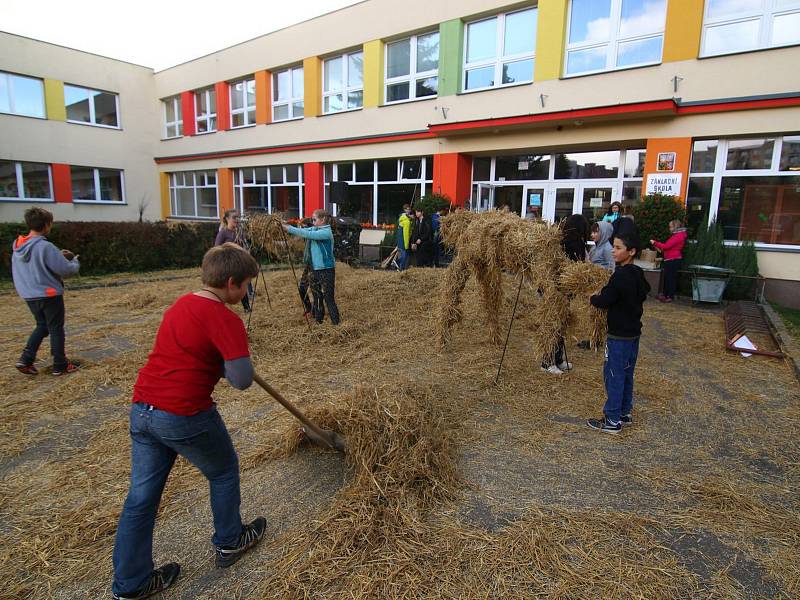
(26, 369)
(160, 579)
(626, 420)
(70, 367)
(604, 425)
(251, 535)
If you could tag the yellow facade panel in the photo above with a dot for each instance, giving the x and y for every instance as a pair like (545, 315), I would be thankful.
(163, 184)
(550, 40)
(683, 30)
(54, 100)
(312, 80)
(373, 73)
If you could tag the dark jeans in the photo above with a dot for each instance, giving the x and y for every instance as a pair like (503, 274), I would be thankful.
(618, 369)
(402, 257)
(158, 437)
(303, 287)
(49, 315)
(671, 277)
(323, 288)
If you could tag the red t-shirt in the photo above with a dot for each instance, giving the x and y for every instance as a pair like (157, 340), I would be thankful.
(194, 339)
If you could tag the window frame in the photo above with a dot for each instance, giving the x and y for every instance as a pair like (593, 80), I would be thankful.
(499, 59)
(346, 89)
(246, 108)
(292, 98)
(21, 184)
(239, 184)
(612, 43)
(173, 196)
(208, 116)
(413, 74)
(92, 110)
(96, 176)
(765, 17)
(10, 88)
(178, 123)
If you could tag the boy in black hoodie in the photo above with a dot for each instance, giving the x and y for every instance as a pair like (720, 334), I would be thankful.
(623, 297)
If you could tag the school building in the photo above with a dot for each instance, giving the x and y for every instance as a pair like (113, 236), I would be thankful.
(553, 107)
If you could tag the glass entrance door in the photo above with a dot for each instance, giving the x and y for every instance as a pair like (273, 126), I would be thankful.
(560, 203)
(533, 201)
(485, 198)
(595, 200)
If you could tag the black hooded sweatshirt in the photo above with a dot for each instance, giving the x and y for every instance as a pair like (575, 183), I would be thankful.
(623, 296)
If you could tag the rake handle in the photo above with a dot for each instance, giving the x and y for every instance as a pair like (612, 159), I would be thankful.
(291, 408)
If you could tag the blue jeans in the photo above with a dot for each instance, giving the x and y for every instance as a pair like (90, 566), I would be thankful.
(158, 437)
(402, 258)
(618, 369)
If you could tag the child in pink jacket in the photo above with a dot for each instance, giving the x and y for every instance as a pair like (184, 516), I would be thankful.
(672, 250)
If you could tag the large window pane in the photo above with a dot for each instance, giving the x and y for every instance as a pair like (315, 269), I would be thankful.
(355, 69)
(428, 52)
(27, 96)
(36, 180)
(520, 34)
(276, 174)
(749, 154)
(518, 72)
(207, 202)
(587, 165)
(581, 61)
(281, 91)
(704, 156)
(358, 204)
(8, 179)
(733, 37)
(790, 154)
(481, 168)
(5, 93)
(398, 59)
(333, 103)
(286, 200)
(254, 198)
(479, 78)
(640, 17)
(427, 86)
(391, 199)
(77, 102)
(110, 185)
(397, 91)
(281, 112)
(298, 84)
(481, 40)
(344, 172)
(698, 203)
(762, 209)
(634, 163)
(185, 202)
(595, 202)
(521, 167)
(631, 193)
(639, 52)
(731, 8)
(387, 170)
(105, 109)
(237, 95)
(786, 29)
(333, 74)
(355, 99)
(364, 170)
(83, 184)
(590, 21)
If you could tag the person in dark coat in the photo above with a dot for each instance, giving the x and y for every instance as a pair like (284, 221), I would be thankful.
(422, 239)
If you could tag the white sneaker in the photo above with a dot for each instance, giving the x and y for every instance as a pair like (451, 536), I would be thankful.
(553, 370)
(565, 366)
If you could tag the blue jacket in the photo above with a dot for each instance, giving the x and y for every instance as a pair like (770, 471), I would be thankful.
(319, 246)
(37, 267)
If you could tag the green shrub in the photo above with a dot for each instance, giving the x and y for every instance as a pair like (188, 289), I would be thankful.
(390, 238)
(115, 247)
(653, 214)
(431, 203)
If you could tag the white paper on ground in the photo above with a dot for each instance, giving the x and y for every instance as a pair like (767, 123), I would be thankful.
(744, 342)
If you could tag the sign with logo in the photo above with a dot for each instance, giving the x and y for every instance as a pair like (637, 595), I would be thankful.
(666, 161)
(666, 184)
(595, 203)
(534, 199)
(523, 165)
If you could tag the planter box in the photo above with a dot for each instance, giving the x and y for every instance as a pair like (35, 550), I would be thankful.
(709, 283)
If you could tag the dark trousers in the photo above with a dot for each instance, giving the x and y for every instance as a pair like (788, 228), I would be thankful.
(323, 288)
(49, 315)
(618, 370)
(303, 287)
(558, 358)
(671, 277)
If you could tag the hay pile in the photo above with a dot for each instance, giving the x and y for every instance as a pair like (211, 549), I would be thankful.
(264, 233)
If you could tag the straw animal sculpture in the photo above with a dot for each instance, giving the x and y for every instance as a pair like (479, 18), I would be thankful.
(490, 243)
(265, 233)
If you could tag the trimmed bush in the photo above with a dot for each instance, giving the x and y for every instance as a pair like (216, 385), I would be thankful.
(431, 203)
(653, 214)
(116, 247)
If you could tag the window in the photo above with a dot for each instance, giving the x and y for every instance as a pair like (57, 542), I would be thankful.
(287, 94)
(587, 165)
(742, 25)
(21, 95)
(750, 187)
(173, 118)
(270, 189)
(193, 194)
(343, 83)
(614, 34)
(412, 68)
(500, 50)
(25, 181)
(90, 184)
(243, 103)
(205, 110)
(94, 107)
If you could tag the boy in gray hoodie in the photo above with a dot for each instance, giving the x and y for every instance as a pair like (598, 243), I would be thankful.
(601, 253)
(37, 267)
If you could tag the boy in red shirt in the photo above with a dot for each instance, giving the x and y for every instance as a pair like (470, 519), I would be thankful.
(199, 340)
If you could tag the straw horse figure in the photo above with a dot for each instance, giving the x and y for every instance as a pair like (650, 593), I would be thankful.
(488, 244)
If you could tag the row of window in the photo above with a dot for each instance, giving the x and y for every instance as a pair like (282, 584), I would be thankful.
(22, 95)
(31, 181)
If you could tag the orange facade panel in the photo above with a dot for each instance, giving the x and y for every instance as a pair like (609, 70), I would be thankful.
(667, 158)
(263, 97)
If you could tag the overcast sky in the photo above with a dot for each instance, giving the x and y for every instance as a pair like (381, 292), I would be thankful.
(155, 33)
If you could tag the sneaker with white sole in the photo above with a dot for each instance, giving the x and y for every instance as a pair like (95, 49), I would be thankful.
(160, 579)
(604, 425)
(626, 420)
(250, 536)
(553, 370)
(565, 366)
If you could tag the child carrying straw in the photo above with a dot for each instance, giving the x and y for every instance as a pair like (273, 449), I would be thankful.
(623, 296)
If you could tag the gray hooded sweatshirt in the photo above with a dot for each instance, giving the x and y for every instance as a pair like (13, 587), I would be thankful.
(601, 253)
(38, 266)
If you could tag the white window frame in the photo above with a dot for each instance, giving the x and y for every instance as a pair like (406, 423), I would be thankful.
(292, 96)
(201, 175)
(21, 185)
(10, 77)
(246, 108)
(413, 74)
(177, 108)
(346, 89)
(98, 196)
(209, 116)
(238, 188)
(499, 59)
(613, 42)
(765, 15)
(92, 113)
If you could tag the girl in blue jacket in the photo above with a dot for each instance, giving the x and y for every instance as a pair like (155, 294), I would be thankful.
(319, 254)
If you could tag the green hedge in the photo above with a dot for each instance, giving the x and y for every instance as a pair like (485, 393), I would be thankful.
(118, 247)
